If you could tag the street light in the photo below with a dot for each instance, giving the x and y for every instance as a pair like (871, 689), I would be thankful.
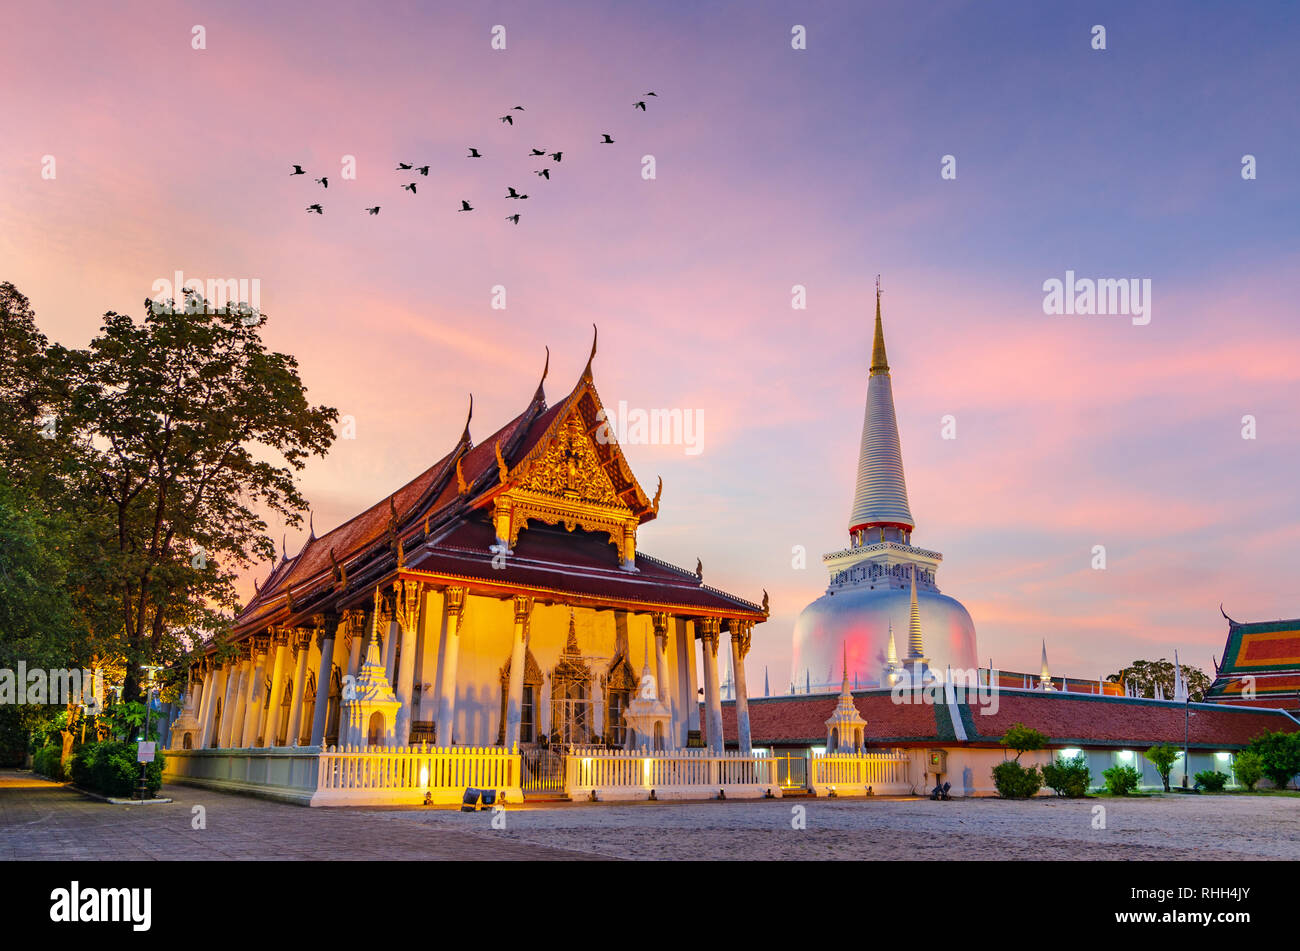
(148, 697)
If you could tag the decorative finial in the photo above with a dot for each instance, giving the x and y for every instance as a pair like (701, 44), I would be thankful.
(594, 334)
(699, 568)
(879, 362)
(654, 503)
(311, 525)
(284, 547)
(461, 486)
(502, 469)
(340, 575)
(401, 554)
(465, 437)
(540, 395)
(765, 609)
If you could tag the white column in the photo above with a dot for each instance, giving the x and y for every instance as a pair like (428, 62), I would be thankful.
(712, 691)
(279, 670)
(660, 622)
(390, 650)
(518, 653)
(454, 606)
(325, 640)
(255, 692)
(406, 612)
(232, 709)
(741, 631)
(211, 690)
(688, 678)
(302, 645)
(357, 634)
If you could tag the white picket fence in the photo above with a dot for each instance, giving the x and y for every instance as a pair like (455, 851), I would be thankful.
(853, 774)
(674, 774)
(368, 775)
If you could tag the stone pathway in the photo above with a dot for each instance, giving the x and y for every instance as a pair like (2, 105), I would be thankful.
(42, 820)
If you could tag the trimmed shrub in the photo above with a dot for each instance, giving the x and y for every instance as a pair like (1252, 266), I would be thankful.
(1121, 780)
(1163, 756)
(110, 768)
(48, 761)
(1211, 780)
(1279, 755)
(1068, 777)
(1249, 768)
(1014, 781)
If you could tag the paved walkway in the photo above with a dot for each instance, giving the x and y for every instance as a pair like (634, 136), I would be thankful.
(44, 820)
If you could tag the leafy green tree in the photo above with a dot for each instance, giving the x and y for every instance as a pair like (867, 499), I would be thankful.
(1163, 756)
(1022, 739)
(1121, 780)
(195, 428)
(1068, 777)
(1279, 756)
(1249, 768)
(1145, 674)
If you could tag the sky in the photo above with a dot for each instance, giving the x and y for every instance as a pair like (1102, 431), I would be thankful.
(773, 167)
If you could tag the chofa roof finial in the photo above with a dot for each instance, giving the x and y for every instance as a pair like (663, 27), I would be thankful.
(594, 334)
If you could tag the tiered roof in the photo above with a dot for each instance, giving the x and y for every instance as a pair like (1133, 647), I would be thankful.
(1261, 665)
(439, 527)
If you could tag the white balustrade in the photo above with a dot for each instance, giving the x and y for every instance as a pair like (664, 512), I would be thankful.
(674, 774)
(853, 773)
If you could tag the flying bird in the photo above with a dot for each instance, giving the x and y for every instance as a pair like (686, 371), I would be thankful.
(509, 119)
(606, 140)
(297, 170)
(473, 153)
(652, 94)
(423, 170)
(557, 155)
(513, 193)
(465, 206)
(410, 188)
(514, 218)
(520, 108)
(316, 208)
(545, 173)
(537, 152)
(374, 210)
(402, 165)
(323, 182)
(639, 104)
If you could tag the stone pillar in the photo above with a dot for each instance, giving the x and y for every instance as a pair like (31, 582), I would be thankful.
(390, 649)
(326, 625)
(302, 648)
(230, 702)
(211, 691)
(357, 628)
(256, 691)
(455, 606)
(712, 691)
(236, 738)
(660, 622)
(741, 632)
(279, 672)
(518, 653)
(688, 678)
(407, 596)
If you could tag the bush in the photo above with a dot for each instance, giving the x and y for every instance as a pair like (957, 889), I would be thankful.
(110, 768)
(1211, 780)
(48, 761)
(1279, 755)
(1121, 780)
(1249, 768)
(1014, 781)
(1068, 777)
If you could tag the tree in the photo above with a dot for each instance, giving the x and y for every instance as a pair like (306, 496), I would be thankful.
(1022, 739)
(1249, 768)
(1279, 756)
(1145, 674)
(1163, 756)
(184, 415)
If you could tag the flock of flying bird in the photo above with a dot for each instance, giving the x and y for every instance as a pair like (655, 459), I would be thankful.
(511, 192)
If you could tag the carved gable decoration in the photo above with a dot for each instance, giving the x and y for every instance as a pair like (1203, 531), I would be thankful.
(532, 672)
(621, 676)
(569, 468)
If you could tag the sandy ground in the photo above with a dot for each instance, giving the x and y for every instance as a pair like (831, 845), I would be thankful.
(1161, 827)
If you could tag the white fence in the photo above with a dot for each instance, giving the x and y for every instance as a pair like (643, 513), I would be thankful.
(287, 774)
(371, 775)
(674, 774)
(853, 774)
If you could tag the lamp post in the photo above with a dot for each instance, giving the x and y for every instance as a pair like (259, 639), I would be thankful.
(1187, 716)
(148, 697)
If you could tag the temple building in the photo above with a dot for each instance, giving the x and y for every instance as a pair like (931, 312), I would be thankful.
(881, 584)
(498, 599)
(1260, 667)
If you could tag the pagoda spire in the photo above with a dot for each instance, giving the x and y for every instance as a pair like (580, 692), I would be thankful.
(880, 508)
(844, 689)
(892, 657)
(1045, 675)
(915, 650)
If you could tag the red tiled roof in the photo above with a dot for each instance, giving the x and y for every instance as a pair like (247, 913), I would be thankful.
(1067, 720)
